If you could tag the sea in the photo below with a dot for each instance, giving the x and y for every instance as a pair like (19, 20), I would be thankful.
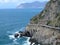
(14, 20)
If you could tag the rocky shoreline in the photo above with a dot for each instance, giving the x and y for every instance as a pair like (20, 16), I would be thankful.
(47, 37)
(44, 29)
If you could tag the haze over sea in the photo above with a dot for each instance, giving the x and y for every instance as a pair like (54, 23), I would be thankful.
(13, 20)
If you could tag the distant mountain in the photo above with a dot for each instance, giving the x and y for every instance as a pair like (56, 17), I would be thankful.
(35, 4)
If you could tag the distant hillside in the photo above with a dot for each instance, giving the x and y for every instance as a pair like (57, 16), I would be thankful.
(35, 4)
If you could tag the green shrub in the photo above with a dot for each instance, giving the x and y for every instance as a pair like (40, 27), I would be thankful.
(58, 14)
(59, 18)
(45, 10)
(48, 22)
(34, 19)
(41, 17)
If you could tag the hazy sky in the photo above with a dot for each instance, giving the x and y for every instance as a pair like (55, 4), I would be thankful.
(14, 3)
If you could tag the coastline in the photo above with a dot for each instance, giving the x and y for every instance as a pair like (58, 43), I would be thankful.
(47, 30)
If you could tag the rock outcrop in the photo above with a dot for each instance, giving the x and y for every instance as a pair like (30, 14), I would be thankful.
(44, 28)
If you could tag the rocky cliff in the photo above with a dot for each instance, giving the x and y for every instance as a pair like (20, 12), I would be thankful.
(44, 28)
(50, 15)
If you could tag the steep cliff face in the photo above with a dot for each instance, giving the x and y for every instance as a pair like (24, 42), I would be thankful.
(50, 15)
(44, 28)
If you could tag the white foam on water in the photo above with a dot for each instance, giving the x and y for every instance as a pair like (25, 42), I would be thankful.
(11, 37)
(14, 40)
(27, 41)
(33, 43)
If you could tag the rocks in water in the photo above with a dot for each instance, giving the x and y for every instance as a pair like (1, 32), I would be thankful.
(20, 34)
(16, 35)
(44, 35)
(49, 16)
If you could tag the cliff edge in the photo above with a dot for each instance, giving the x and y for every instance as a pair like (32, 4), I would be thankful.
(44, 28)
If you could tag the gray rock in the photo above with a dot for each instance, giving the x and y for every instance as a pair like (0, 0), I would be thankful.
(45, 35)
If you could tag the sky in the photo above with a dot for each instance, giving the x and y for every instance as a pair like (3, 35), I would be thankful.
(14, 3)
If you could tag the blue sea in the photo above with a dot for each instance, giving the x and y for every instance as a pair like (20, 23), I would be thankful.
(13, 20)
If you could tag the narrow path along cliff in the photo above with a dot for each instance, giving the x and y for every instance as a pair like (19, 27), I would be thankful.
(44, 28)
(47, 26)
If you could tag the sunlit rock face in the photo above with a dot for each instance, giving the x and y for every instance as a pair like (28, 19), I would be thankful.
(49, 16)
(44, 28)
